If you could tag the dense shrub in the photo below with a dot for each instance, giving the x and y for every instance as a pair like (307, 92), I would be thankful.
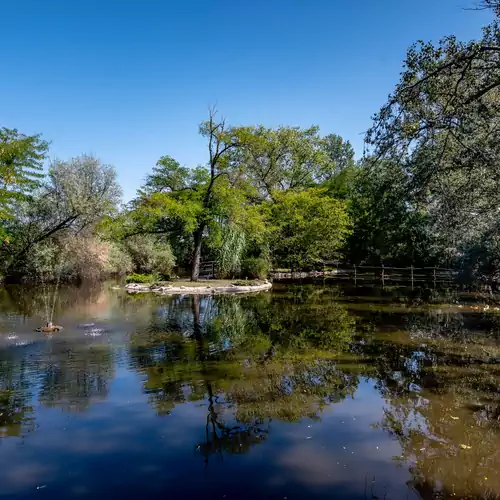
(150, 255)
(140, 278)
(163, 277)
(76, 257)
(255, 268)
(119, 261)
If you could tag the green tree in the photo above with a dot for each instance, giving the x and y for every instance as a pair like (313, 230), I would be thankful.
(340, 154)
(440, 127)
(73, 198)
(21, 166)
(341, 177)
(167, 176)
(193, 206)
(283, 158)
(388, 225)
(307, 227)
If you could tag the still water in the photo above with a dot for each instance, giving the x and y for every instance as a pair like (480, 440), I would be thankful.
(308, 391)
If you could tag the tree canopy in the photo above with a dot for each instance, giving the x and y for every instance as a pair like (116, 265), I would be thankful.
(21, 166)
(307, 227)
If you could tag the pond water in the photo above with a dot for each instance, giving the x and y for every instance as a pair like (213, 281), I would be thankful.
(312, 391)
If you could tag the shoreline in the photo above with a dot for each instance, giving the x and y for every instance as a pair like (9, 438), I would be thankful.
(196, 290)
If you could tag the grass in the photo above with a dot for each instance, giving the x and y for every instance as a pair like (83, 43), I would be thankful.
(247, 282)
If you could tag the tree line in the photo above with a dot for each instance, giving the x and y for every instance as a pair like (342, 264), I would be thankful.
(425, 191)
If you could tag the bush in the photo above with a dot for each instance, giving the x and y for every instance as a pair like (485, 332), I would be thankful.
(119, 261)
(255, 268)
(163, 277)
(139, 278)
(150, 255)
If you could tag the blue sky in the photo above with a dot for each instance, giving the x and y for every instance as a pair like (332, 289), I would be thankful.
(130, 80)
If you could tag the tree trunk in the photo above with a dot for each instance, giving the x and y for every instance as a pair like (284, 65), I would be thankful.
(195, 266)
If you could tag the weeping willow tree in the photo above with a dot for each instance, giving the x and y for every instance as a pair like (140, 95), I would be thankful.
(230, 251)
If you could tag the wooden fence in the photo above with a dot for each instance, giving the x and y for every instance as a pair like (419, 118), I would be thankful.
(383, 274)
(207, 269)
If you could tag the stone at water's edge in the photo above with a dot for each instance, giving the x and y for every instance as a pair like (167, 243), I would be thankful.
(197, 290)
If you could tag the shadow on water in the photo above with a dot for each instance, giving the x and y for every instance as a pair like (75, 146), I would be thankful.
(311, 391)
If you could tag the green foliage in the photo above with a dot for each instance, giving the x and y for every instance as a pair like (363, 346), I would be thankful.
(47, 261)
(388, 227)
(69, 204)
(340, 153)
(252, 282)
(118, 261)
(283, 158)
(255, 268)
(307, 227)
(150, 254)
(21, 165)
(167, 176)
(440, 130)
(140, 278)
(229, 252)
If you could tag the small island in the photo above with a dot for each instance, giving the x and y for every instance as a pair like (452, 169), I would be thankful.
(204, 287)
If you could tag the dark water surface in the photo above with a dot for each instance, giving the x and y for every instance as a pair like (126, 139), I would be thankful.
(304, 392)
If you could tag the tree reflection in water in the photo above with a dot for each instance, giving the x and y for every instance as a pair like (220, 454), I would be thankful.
(286, 356)
(16, 411)
(252, 359)
(73, 376)
(439, 376)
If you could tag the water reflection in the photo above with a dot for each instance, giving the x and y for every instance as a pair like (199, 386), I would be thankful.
(74, 376)
(318, 391)
(16, 413)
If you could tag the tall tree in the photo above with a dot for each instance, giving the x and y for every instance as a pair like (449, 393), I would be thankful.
(340, 154)
(76, 195)
(220, 142)
(167, 176)
(191, 204)
(340, 178)
(21, 166)
(307, 227)
(389, 226)
(442, 127)
(283, 158)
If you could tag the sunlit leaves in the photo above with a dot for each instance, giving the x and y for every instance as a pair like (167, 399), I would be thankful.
(307, 227)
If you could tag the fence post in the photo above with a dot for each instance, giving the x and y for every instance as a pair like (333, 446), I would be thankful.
(434, 279)
(383, 276)
(412, 276)
(355, 275)
(213, 269)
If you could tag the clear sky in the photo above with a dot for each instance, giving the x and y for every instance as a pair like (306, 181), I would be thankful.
(130, 80)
